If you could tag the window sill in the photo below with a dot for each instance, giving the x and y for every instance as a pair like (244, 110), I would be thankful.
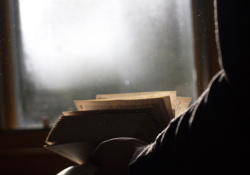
(22, 152)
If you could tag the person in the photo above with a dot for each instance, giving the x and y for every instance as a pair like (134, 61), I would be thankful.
(212, 136)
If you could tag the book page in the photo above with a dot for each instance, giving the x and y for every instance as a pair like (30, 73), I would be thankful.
(99, 127)
(144, 95)
(76, 137)
(83, 169)
(182, 104)
(150, 111)
(161, 106)
(78, 152)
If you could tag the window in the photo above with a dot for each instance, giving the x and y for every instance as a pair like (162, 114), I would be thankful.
(73, 50)
(17, 90)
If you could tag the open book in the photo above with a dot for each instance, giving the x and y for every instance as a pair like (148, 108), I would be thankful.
(140, 115)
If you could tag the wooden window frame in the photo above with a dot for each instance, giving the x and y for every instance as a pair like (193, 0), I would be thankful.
(7, 79)
(205, 50)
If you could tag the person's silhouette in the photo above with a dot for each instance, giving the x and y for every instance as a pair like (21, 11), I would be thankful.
(212, 137)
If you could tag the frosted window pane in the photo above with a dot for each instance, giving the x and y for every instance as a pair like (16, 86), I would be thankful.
(73, 50)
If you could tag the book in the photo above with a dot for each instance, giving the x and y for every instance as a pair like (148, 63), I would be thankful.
(142, 115)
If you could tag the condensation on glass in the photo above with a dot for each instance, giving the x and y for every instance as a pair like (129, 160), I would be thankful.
(73, 50)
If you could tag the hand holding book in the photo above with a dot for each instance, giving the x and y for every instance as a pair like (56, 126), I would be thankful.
(144, 115)
(113, 156)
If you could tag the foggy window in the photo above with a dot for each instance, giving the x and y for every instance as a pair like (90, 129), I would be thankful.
(75, 49)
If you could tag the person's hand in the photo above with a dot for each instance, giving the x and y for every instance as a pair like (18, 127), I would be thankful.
(112, 157)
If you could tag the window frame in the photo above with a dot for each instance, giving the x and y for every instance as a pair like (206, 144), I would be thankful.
(7, 78)
(205, 48)
(205, 51)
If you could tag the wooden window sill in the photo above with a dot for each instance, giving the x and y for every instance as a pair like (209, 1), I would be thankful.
(22, 152)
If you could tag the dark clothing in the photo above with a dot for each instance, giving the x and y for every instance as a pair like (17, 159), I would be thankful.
(213, 135)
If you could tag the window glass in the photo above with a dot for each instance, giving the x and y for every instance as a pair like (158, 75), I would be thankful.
(75, 49)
